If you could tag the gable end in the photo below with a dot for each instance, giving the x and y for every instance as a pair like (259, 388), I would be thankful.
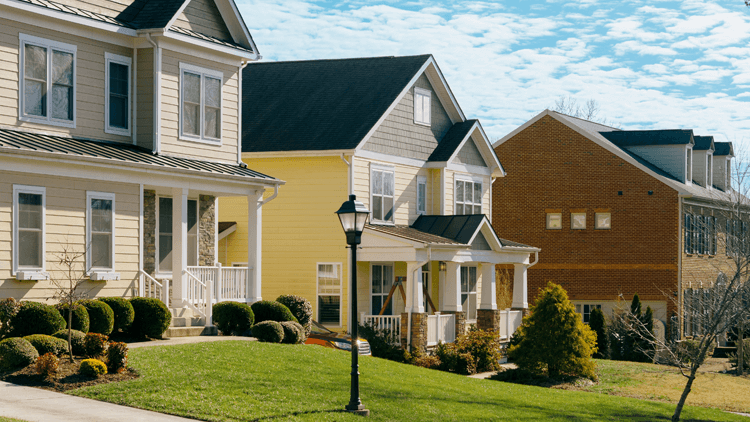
(203, 16)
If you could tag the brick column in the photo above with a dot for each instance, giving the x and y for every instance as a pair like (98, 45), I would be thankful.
(418, 331)
(488, 319)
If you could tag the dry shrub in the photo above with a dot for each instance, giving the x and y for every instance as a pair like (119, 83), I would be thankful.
(47, 365)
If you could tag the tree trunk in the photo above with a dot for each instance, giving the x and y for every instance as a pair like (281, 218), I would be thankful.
(741, 348)
(685, 392)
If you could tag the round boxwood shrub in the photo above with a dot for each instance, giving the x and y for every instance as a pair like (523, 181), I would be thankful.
(80, 316)
(76, 338)
(92, 368)
(123, 310)
(268, 331)
(47, 344)
(270, 310)
(36, 318)
(301, 309)
(152, 317)
(294, 333)
(17, 352)
(233, 317)
(101, 316)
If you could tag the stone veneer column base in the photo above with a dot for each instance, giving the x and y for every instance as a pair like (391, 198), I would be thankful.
(418, 331)
(488, 319)
(461, 326)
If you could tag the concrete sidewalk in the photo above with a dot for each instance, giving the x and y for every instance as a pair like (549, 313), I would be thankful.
(188, 340)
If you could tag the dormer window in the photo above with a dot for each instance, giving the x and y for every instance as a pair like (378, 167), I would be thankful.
(689, 167)
(200, 100)
(422, 99)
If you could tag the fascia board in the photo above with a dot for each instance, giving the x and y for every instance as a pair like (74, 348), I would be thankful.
(67, 17)
(176, 15)
(209, 45)
(236, 25)
(227, 232)
(485, 148)
(485, 223)
(299, 153)
(433, 72)
(520, 128)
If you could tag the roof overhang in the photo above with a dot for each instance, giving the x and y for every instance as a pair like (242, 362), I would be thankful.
(485, 148)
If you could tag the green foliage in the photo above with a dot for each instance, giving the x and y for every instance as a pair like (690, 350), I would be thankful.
(599, 326)
(268, 331)
(102, 317)
(426, 361)
(293, 332)
(81, 320)
(631, 334)
(16, 352)
(233, 318)
(688, 350)
(8, 309)
(152, 318)
(123, 312)
(76, 338)
(454, 360)
(92, 368)
(484, 347)
(553, 338)
(47, 344)
(36, 318)
(94, 345)
(300, 308)
(117, 357)
(269, 310)
(381, 343)
(46, 365)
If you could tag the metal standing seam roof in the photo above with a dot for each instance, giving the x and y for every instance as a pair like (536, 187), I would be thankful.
(117, 153)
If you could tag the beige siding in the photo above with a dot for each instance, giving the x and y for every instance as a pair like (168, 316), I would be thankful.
(202, 16)
(398, 134)
(145, 98)
(66, 224)
(90, 75)
(469, 154)
(170, 142)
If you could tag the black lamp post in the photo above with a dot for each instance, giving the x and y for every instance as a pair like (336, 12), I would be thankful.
(353, 216)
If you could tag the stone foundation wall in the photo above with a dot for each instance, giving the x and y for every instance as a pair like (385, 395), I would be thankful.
(149, 231)
(207, 230)
(418, 330)
(488, 319)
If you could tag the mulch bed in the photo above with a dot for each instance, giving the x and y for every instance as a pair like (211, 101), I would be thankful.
(67, 377)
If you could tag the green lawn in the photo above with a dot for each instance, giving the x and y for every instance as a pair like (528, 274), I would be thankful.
(247, 381)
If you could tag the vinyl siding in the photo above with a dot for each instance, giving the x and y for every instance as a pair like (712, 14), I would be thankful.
(105, 7)
(469, 154)
(670, 158)
(145, 98)
(204, 17)
(66, 224)
(452, 176)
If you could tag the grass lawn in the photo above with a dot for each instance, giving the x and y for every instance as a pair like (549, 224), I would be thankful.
(247, 381)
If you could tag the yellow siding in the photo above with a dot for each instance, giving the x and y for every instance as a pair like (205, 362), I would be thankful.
(202, 16)
(66, 224)
(90, 76)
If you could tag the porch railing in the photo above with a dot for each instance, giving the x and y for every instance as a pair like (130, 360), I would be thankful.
(150, 287)
(229, 283)
(509, 323)
(441, 328)
(199, 294)
(391, 323)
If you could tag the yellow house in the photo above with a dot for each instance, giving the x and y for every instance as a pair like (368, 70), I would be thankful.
(119, 129)
(389, 131)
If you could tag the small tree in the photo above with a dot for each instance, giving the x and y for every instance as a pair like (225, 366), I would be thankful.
(553, 339)
(599, 326)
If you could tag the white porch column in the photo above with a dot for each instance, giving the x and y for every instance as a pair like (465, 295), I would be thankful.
(488, 297)
(452, 293)
(254, 238)
(520, 287)
(414, 292)
(179, 245)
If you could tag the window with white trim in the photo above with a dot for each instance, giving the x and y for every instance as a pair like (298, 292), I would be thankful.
(468, 197)
(29, 206)
(709, 171)
(422, 100)
(200, 104)
(381, 281)
(689, 167)
(382, 197)
(584, 309)
(603, 221)
(117, 94)
(164, 229)
(100, 231)
(469, 291)
(578, 220)
(554, 221)
(329, 293)
(421, 195)
(47, 82)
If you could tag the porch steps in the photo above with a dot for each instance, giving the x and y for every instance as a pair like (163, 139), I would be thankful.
(186, 324)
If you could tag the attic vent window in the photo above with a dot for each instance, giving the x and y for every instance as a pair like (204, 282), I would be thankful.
(422, 100)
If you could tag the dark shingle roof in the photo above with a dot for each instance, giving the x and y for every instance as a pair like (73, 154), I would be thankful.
(630, 138)
(78, 12)
(702, 143)
(116, 153)
(225, 225)
(149, 14)
(320, 104)
(452, 139)
(723, 148)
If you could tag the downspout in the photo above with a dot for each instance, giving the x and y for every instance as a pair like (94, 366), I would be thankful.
(442, 191)
(350, 175)
(243, 64)
(157, 95)
(270, 198)
(349, 186)
(134, 106)
(140, 241)
(414, 277)
(536, 259)
(680, 243)
(492, 187)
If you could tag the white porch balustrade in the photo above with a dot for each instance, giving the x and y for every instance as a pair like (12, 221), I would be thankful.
(509, 323)
(150, 287)
(232, 282)
(391, 323)
(441, 328)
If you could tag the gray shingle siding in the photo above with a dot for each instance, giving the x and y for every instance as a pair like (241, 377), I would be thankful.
(469, 154)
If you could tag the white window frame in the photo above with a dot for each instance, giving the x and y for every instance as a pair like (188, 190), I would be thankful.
(125, 61)
(34, 190)
(203, 72)
(550, 214)
(421, 95)
(598, 226)
(107, 197)
(470, 293)
(50, 45)
(338, 273)
(580, 310)
(709, 171)
(689, 167)
(421, 181)
(384, 169)
(383, 294)
(573, 220)
(473, 181)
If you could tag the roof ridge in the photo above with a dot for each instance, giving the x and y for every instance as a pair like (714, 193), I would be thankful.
(340, 59)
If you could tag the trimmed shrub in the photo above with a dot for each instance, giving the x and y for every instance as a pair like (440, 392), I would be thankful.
(123, 311)
(117, 357)
(483, 346)
(94, 345)
(426, 361)
(16, 352)
(101, 316)
(293, 332)
(151, 319)
(269, 310)
(382, 343)
(453, 360)
(36, 318)
(47, 344)
(268, 331)
(233, 318)
(92, 368)
(599, 326)
(80, 316)
(46, 365)
(300, 308)
(8, 309)
(76, 338)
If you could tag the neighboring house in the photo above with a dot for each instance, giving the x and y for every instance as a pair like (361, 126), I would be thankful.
(388, 130)
(609, 207)
(119, 128)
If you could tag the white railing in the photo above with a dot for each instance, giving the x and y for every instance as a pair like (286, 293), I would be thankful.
(229, 283)
(441, 328)
(391, 323)
(150, 287)
(199, 295)
(509, 323)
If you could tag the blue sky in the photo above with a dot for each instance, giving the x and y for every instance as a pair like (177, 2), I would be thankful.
(649, 64)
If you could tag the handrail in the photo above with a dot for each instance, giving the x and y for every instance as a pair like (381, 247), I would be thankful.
(164, 287)
(194, 277)
(151, 278)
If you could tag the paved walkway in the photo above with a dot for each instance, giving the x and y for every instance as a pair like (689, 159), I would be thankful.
(187, 340)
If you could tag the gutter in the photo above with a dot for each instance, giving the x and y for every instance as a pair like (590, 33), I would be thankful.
(350, 177)
(243, 64)
(270, 198)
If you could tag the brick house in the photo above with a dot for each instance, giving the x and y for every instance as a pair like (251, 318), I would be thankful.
(610, 209)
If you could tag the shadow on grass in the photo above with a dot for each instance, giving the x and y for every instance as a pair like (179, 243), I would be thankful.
(300, 413)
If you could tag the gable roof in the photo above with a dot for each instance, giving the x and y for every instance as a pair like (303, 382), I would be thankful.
(452, 140)
(723, 148)
(631, 138)
(459, 228)
(150, 14)
(703, 143)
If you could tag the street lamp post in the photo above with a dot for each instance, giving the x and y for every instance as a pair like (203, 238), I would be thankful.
(353, 216)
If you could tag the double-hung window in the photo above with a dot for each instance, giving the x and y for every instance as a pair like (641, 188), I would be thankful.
(117, 94)
(200, 104)
(585, 310)
(100, 231)
(381, 281)
(47, 81)
(28, 229)
(421, 195)
(468, 197)
(469, 291)
(422, 111)
(382, 188)
(329, 293)
(164, 229)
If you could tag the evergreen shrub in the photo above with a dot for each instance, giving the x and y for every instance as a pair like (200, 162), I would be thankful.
(81, 320)
(123, 312)
(76, 338)
(233, 318)
(36, 318)
(268, 331)
(16, 352)
(47, 344)
(300, 308)
(269, 310)
(92, 368)
(101, 316)
(152, 317)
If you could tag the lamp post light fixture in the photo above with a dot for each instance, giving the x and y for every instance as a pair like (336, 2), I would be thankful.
(353, 216)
